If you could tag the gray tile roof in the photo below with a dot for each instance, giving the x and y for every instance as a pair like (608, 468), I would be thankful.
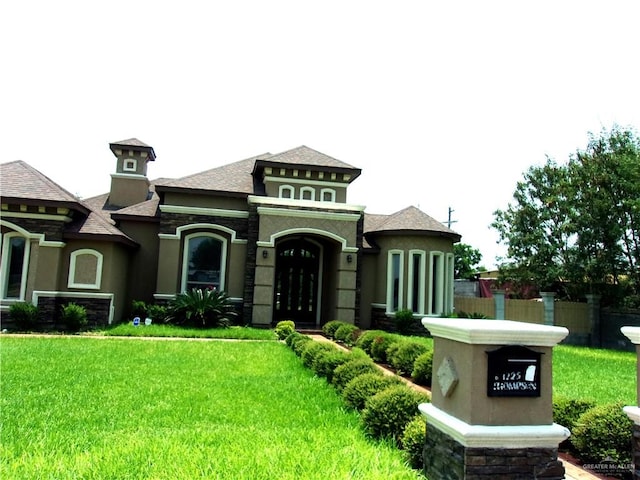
(133, 144)
(304, 155)
(407, 220)
(20, 180)
(234, 177)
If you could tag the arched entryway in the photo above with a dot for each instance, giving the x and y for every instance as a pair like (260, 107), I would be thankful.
(297, 281)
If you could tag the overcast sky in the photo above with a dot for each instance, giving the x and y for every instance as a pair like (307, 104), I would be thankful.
(441, 104)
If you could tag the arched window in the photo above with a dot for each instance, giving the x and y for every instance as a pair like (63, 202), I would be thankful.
(328, 195)
(204, 261)
(286, 191)
(307, 193)
(15, 264)
(85, 269)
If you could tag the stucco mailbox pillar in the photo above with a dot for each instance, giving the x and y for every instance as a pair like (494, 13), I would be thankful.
(492, 411)
(633, 334)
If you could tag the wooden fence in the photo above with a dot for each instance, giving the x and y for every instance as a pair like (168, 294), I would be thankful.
(573, 315)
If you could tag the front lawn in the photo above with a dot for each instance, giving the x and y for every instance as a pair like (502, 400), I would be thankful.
(166, 330)
(78, 407)
(604, 376)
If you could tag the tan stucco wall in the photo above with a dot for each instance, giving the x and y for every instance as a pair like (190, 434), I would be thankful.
(370, 279)
(115, 273)
(469, 401)
(169, 261)
(143, 270)
(272, 224)
(44, 269)
(127, 191)
(205, 201)
(406, 244)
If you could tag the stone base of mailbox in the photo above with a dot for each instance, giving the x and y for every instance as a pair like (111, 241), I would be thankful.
(455, 450)
(634, 414)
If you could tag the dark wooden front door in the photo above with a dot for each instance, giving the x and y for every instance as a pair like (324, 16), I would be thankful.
(297, 283)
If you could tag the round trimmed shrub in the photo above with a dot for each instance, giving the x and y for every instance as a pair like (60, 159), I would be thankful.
(404, 356)
(346, 334)
(312, 349)
(284, 328)
(289, 340)
(329, 328)
(24, 315)
(363, 387)
(422, 373)
(365, 340)
(74, 316)
(567, 411)
(387, 413)
(412, 441)
(404, 321)
(603, 431)
(380, 345)
(299, 343)
(326, 362)
(351, 369)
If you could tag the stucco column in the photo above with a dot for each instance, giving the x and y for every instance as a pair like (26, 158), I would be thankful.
(491, 410)
(593, 301)
(549, 307)
(499, 296)
(633, 334)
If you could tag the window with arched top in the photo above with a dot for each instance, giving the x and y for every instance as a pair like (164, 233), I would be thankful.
(204, 261)
(307, 193)
(85, 269)
(286, 191)
(328, 195)
(14, 266)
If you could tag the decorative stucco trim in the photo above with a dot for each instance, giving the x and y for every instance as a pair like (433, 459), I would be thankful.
(314, 231)
(205, 226)
(632, 333)
(490, 436)
(284, 212)
(305, 181)
(164, 296)
(109, 296)
(495, 332)
(212, 212)
(32, 236)
(37, 216)
(633, 413)
(286, 202)
(133, 176)
(72, 269)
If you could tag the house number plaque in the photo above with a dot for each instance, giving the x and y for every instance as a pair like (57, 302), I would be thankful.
(513, 371)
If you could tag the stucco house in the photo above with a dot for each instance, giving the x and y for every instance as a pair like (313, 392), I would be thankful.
(274, 231)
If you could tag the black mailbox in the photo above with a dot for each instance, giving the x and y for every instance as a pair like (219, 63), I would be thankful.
(513, 371)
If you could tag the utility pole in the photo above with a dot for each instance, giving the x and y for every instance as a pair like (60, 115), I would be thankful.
(449, 221)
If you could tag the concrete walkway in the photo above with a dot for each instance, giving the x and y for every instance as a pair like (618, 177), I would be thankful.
(572, 472)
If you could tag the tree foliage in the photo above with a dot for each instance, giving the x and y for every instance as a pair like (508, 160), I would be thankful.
(467, 260)
(578, 223)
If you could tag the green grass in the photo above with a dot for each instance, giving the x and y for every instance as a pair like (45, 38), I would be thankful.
(156, 330)
(605, 376)
(78, 407)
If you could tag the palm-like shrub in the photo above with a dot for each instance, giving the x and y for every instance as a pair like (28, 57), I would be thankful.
(202, 308)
